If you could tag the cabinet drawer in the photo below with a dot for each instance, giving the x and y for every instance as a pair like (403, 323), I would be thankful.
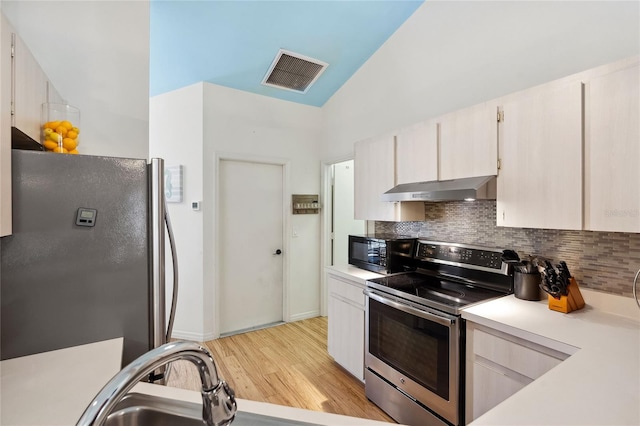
(348, 291)
(523, 357)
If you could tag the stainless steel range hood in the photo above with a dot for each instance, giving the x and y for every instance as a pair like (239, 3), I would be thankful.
(476, 188)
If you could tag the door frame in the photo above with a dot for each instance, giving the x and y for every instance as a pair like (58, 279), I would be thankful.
(286, 209)
(325, 225)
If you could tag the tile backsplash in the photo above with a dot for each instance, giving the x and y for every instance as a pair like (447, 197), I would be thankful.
(605, 261)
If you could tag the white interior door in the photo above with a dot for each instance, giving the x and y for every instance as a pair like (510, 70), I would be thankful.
(251, 232)
(343, 222)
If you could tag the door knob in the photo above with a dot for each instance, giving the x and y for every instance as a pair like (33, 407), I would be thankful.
(277, 252)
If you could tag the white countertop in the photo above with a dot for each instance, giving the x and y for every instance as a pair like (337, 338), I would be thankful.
(352, 273)
(599, 384)
(54, 388)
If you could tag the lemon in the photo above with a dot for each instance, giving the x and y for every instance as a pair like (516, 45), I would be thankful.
(51, 125)
(69, 144)
(47, 131)
(50, 145)
(54, 136)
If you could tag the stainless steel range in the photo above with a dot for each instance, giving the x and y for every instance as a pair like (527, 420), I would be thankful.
(415, 336)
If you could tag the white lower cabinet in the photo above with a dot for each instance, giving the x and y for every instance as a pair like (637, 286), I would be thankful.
(346, 306)
(499, 364)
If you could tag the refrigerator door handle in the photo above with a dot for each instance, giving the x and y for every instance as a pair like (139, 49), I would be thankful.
(174, 261)
(158, 306)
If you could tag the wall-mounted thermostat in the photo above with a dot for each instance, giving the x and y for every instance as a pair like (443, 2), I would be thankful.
(305, 204)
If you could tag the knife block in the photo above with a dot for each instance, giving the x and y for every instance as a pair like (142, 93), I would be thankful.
(571, 302)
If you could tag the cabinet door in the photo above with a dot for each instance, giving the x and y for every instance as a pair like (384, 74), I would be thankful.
(374, 174)
(499, 365)
(30, 90)
(469, 142)
(417, 153)
(345, 334)
(5, 127)
(612, 152)
(540, 143)
(491, 387)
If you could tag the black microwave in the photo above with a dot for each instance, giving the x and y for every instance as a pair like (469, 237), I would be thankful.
(380, 253)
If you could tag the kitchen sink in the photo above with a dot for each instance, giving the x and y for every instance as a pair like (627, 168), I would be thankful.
(137, 409)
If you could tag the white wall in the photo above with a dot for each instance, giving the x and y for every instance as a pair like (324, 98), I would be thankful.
(96, 54)
(452, 54)
(181, 144)
(258, 126)
(208, 120)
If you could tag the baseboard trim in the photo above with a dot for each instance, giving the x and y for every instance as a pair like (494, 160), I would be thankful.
(193, 337)
(304, 315)
(197, 337)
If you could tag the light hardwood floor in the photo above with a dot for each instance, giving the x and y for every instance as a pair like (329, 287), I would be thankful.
(286, 365)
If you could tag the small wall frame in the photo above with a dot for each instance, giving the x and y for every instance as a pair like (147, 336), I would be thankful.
(305, 204)
(173, 184)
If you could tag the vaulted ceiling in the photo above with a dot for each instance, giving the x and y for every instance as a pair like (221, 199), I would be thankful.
(233, 43)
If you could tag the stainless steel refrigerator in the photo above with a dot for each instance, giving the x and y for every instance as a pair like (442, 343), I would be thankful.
(85, 261)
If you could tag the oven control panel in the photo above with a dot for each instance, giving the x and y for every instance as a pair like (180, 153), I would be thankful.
(459, 254)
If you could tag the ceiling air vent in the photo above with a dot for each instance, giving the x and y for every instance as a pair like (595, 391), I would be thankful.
(292, 71)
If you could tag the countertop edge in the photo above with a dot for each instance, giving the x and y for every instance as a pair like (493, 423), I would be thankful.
(262, 408)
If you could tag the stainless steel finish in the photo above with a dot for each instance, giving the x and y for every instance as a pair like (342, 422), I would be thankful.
(476, 188)
(404, 307)
(174, 297)
(504, 269)
(527, 286)
(157, 256)
(137, 409)
(449, 409)
(635, 283)
(401, 407)
(63, 285)
(218, 401)
(174, 262)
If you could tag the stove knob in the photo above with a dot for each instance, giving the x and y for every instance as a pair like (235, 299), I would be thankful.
(402, 380)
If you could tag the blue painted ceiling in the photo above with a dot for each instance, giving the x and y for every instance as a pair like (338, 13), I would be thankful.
(233, 43)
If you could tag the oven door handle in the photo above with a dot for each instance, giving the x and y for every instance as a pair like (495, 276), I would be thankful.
(409, 309)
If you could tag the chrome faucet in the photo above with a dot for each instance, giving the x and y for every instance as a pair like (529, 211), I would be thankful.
(218, 400)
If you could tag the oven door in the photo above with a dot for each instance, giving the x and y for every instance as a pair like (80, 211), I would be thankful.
(416, 350)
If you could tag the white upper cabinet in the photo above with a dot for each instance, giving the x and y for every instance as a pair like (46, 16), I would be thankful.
(540, 144)
(612, 152)
(469, 142)
(24, 87)
(374, 174)
(30, 89)
(417, 153)
(5, 127)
